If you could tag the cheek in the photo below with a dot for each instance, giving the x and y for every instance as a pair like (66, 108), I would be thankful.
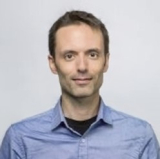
(97, 68)
(97, 72)
(65, 71)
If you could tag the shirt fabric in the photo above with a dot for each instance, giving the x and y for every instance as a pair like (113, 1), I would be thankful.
(114, 135)
(80, 126)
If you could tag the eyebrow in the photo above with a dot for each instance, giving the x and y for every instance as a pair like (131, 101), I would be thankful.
(68, 51)
(93, 50)
(87, 51)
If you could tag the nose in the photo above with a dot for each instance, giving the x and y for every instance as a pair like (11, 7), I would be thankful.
(82, 64)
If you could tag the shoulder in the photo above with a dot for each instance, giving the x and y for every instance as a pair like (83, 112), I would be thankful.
(121, 116)
(37, 123)
(131, 128)
(130, 125)
(13, 139)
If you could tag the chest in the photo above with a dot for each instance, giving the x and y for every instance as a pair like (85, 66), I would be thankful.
(88, 147)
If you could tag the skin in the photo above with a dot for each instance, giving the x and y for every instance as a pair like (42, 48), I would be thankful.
(80, 62)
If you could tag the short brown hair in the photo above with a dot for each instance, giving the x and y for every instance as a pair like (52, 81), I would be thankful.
(77, 17)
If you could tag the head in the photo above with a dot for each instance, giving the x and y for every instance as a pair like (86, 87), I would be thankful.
(79, 53)
(73, 18)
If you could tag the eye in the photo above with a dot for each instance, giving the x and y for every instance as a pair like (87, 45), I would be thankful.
(93, 55)
(69, 57)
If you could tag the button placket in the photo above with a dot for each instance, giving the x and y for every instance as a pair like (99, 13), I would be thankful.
(83, 148)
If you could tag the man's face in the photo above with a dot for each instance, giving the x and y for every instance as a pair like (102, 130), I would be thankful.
(80, 60)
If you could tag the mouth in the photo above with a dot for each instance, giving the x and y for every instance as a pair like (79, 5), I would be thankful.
(82, 81)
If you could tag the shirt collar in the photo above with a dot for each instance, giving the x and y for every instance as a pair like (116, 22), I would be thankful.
(103, 114)
(58, 116)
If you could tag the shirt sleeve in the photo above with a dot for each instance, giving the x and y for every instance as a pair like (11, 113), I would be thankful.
(11, 148)
(151, 149)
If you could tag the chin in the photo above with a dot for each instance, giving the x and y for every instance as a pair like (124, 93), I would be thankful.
(82, 94)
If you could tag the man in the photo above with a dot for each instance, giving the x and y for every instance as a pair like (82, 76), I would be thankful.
(80, 126)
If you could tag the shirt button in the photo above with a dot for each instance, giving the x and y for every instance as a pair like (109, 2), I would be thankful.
(83, 140)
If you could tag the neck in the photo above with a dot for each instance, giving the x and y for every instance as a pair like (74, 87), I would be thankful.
(78, 108)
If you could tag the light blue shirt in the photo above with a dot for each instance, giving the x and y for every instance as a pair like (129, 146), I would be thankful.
(114, 135)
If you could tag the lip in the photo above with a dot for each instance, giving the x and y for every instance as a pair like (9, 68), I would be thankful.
(82, 81)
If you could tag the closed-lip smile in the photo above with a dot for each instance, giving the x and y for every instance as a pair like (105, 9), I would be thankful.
(82, 81)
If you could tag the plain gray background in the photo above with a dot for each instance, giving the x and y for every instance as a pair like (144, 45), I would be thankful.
(132, 83)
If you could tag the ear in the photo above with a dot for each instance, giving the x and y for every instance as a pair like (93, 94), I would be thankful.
(52, 64)
(106, 65)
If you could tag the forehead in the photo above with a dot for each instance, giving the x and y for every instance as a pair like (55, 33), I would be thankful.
(78, 36)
